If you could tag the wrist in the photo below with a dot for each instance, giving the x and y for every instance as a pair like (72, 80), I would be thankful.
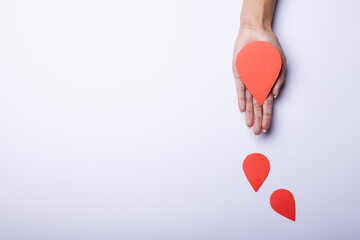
(256, 32)
(256, 25)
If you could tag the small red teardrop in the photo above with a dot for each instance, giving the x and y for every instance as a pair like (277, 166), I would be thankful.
(283, 202)
(256, 168)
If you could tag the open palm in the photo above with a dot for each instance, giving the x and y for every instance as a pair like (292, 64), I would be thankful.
(257, 116)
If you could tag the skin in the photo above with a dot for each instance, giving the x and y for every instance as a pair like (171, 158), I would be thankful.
(255, 25)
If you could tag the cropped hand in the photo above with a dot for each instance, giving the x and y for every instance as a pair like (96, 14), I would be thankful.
(256, 116)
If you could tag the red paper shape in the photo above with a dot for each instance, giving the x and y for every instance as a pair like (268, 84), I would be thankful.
(283, 202)
(256, 168)
(258, 64)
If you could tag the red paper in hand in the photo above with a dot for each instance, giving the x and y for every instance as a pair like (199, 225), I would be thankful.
(258, 64)
(256, 168)
(283, 202)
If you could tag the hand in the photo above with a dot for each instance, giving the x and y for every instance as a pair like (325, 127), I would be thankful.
(255, 115)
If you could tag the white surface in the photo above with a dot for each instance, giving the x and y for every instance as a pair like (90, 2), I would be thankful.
(118, 120)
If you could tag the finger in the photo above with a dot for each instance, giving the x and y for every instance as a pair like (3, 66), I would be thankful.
(280, 80)
(249, 114)
(257, 117)
(240, 90)
(267, 112)
(240, 87)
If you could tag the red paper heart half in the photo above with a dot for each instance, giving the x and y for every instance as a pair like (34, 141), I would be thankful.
(283, 202)
(258, 64)
(256, 168)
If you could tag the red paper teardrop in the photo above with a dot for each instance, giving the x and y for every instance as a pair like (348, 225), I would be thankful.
(256, 168)
(258, 64)
(283, 202)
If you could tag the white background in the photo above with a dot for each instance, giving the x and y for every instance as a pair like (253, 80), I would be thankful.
(119, 120)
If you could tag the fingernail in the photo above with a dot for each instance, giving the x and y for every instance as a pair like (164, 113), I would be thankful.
(256, 135)
(264, 130)
(248, 127)
(275, 96)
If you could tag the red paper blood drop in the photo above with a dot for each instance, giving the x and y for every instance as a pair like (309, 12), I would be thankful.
(258, 64)
(256, 168)
(283, 202)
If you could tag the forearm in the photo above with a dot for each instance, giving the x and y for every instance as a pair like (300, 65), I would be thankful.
(257, 13)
